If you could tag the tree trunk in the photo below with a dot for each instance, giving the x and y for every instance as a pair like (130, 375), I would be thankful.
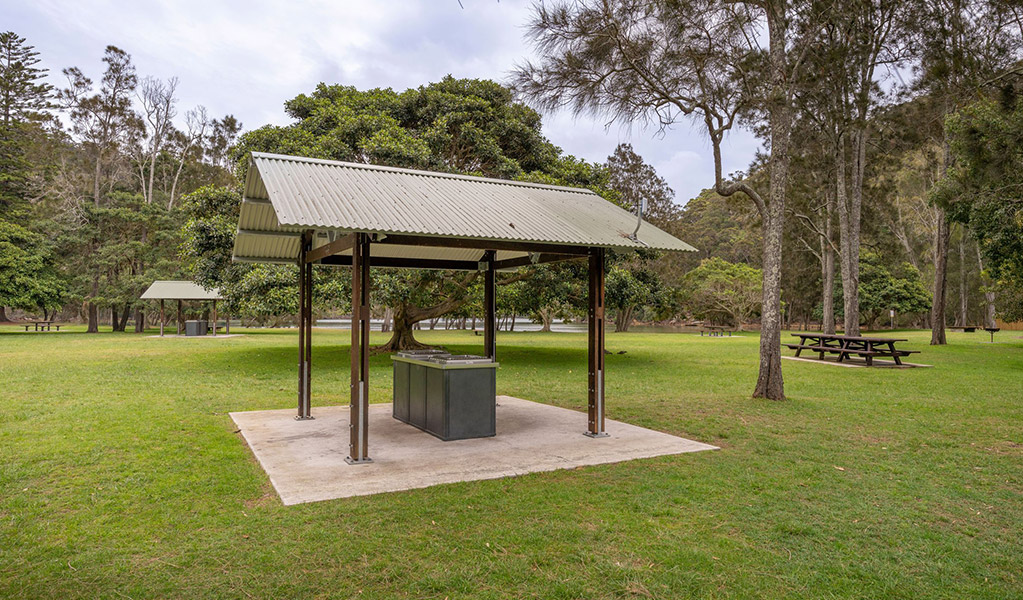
(388, 317)
(92, 309)
(125, 313)
(828, 277)
(859, 149)
(96, 174)
(941, 242)
(402, 337)
(3, 314)
(511, 326)
(769, 380)
(964, 301)
(850, 283)
(546, 317)
(989, 293)
(623, 318)
(770, 383)
(140, 321)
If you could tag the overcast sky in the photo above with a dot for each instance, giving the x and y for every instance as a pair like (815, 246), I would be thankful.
(247, 57)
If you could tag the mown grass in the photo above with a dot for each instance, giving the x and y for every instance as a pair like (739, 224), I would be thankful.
(121, 475)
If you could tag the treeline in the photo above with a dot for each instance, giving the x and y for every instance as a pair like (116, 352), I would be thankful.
(93, 176)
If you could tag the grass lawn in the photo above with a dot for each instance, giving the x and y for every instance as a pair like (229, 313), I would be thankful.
(121, 475)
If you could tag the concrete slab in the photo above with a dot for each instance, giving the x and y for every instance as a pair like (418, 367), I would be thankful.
(858, 362)
(305, 459)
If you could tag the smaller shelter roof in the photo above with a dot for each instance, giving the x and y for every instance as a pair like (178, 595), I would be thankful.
(180, 290)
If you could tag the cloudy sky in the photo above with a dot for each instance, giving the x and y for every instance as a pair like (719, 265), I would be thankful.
(247, 57)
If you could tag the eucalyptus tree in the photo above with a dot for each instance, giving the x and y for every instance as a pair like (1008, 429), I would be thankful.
(714, 61)
(858, 46)
(103, 120)
(158, 111)
(964, 47)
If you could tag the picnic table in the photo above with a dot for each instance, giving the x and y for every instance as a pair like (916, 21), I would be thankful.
(846, 346)
(41, 325)
(714, 330)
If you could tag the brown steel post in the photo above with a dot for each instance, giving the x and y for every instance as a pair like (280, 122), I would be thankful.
(308, 333)
(179, 317)
(359, 414)
(490, 307)
(596, 344)
(162, 318)
(303, 332)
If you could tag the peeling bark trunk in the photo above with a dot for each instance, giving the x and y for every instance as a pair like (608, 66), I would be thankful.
(140, 321)
(849, 244)
(828, 271)
(770, 383)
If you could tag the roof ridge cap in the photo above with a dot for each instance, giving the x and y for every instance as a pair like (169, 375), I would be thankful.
(421, 172)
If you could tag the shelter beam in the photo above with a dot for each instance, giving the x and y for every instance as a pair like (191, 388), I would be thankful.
(338, 245)
(358, 447)
(447, 242)
(595, 352)
(522, 261)
(406, 263)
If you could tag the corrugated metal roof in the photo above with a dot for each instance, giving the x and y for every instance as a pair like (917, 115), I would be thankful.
(180, 290)
(288, 194)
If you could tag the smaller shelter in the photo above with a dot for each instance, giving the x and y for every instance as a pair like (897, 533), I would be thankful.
(182, 291)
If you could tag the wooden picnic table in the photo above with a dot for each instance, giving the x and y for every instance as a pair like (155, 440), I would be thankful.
(846, 346)
(714, 330)
(41, 325)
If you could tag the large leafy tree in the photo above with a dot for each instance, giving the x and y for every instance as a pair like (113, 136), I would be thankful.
(28, 277)
(898, 288)
(466, 126)
(723, 292)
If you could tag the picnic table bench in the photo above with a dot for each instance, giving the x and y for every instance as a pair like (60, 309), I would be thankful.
(846, 346)
(714, 330)
(41, 325)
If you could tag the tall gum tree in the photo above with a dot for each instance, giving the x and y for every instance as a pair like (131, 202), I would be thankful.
(963, 47)
(714, 61)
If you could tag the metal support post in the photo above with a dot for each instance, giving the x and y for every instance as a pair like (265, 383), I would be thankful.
(304, 333)
(596, 345)
(358, 447)
(490, 307)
